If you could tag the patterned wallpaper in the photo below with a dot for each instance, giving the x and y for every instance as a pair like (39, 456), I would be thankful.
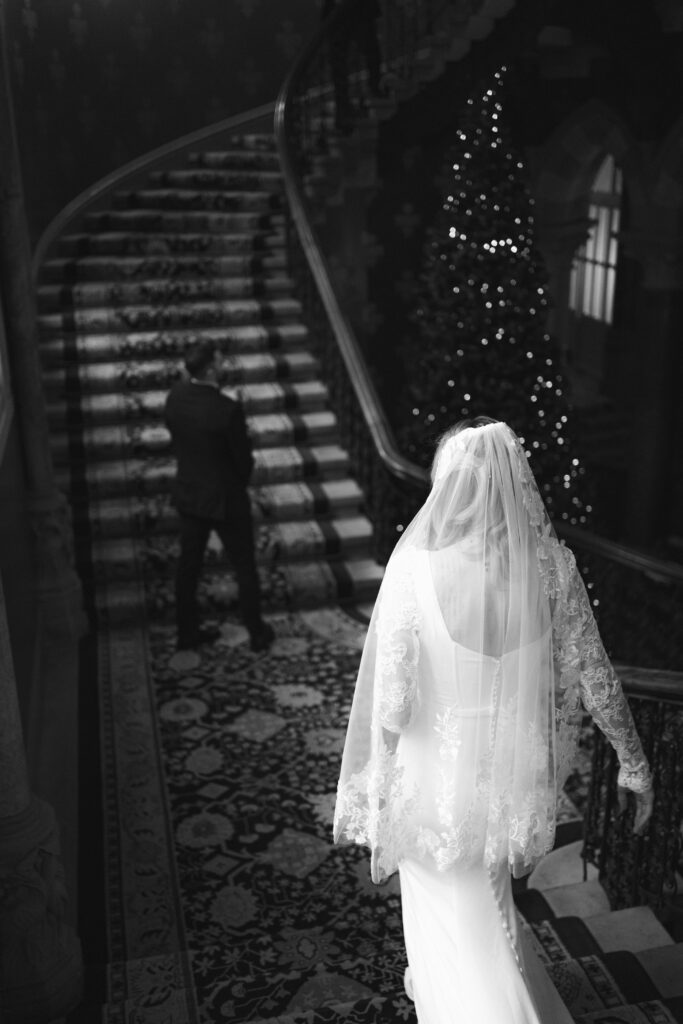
(98, 82)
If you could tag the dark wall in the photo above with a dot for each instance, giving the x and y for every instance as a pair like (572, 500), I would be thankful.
(16, 567)
(99, 83)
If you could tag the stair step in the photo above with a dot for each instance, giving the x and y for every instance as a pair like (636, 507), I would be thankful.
(664, 965)
(284, 587)
(268, 430)
(141, 516)
(132, 268)
(241, 158)
(155, 374)
(257, 399)
(179, 243)
(92, 348)
(261, 142)
(184, 314)
(578, 899)
(634, 929)
(654, 1011)
(590, 984)
(159, 290)
(276, 543)
(216, 178)
(202, 199)
(179, 221)
(266, 159)
(141, 477)
(561, 867)
(564, 938)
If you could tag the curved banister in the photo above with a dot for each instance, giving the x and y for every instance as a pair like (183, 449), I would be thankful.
(98, 191)
(657, 568)
(651, 684)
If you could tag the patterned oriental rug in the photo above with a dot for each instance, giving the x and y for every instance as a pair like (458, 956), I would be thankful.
(226, 900)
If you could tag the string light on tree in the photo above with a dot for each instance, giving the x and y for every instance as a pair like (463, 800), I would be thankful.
(482, 344)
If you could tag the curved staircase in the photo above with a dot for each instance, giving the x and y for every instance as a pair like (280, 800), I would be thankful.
(196, 252)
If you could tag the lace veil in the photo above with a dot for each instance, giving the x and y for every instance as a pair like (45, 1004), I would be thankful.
(464, 719)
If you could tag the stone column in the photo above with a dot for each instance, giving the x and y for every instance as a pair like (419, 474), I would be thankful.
(40, 956)
(660, 321)
(58, 586)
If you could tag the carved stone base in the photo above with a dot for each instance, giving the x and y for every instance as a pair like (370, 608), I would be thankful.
(59, 588)
(41, 972)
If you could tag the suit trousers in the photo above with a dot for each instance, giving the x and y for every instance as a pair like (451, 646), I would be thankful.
(237, 537)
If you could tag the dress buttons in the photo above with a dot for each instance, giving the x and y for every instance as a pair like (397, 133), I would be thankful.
(505, 923)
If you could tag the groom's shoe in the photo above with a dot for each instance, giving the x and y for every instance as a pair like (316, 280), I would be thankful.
(204, 635)
(262, 638)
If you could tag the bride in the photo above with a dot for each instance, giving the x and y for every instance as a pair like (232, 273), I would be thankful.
(481, 648)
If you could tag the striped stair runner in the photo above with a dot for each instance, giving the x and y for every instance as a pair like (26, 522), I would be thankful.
(198, 252)
(608, 966)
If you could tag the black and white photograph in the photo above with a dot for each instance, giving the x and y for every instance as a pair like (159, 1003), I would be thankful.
(341, 512)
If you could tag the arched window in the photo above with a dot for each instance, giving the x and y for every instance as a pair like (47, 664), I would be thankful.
(594, 270)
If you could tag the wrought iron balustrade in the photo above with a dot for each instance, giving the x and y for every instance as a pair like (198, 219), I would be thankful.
(637, 600)
(336, 64)
(638, 603)
(641, 870)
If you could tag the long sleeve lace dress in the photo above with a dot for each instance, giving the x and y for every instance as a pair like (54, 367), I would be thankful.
(423, 806)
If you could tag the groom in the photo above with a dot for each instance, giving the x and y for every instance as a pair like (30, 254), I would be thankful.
(214, 463)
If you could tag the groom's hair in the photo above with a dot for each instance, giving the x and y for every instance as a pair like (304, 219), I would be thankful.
(199, 357)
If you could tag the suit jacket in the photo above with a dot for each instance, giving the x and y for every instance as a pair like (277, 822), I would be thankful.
(210, 442)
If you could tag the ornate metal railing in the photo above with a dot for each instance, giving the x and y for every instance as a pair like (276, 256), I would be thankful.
(638, 600)
(638, 603)
(334, 79)
(641, 870)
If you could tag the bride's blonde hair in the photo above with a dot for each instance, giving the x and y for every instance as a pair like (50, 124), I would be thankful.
(457, 428)
(472, 492)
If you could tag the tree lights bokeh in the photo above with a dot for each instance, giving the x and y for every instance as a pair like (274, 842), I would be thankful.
(482, 347)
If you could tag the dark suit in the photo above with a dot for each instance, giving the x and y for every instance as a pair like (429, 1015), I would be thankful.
(210, 442)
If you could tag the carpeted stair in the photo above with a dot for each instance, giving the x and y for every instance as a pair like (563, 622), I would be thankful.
(196, 252)
(608, 966)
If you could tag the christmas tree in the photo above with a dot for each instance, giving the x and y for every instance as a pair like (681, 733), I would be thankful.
(481, 305)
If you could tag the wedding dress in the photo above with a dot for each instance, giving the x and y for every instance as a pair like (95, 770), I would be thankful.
(481, 648)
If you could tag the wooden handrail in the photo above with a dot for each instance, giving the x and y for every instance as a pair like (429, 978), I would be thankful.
(656, 568)
(651, 683)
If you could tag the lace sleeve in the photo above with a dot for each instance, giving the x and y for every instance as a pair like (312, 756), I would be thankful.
(580, 654)
(398, 649)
